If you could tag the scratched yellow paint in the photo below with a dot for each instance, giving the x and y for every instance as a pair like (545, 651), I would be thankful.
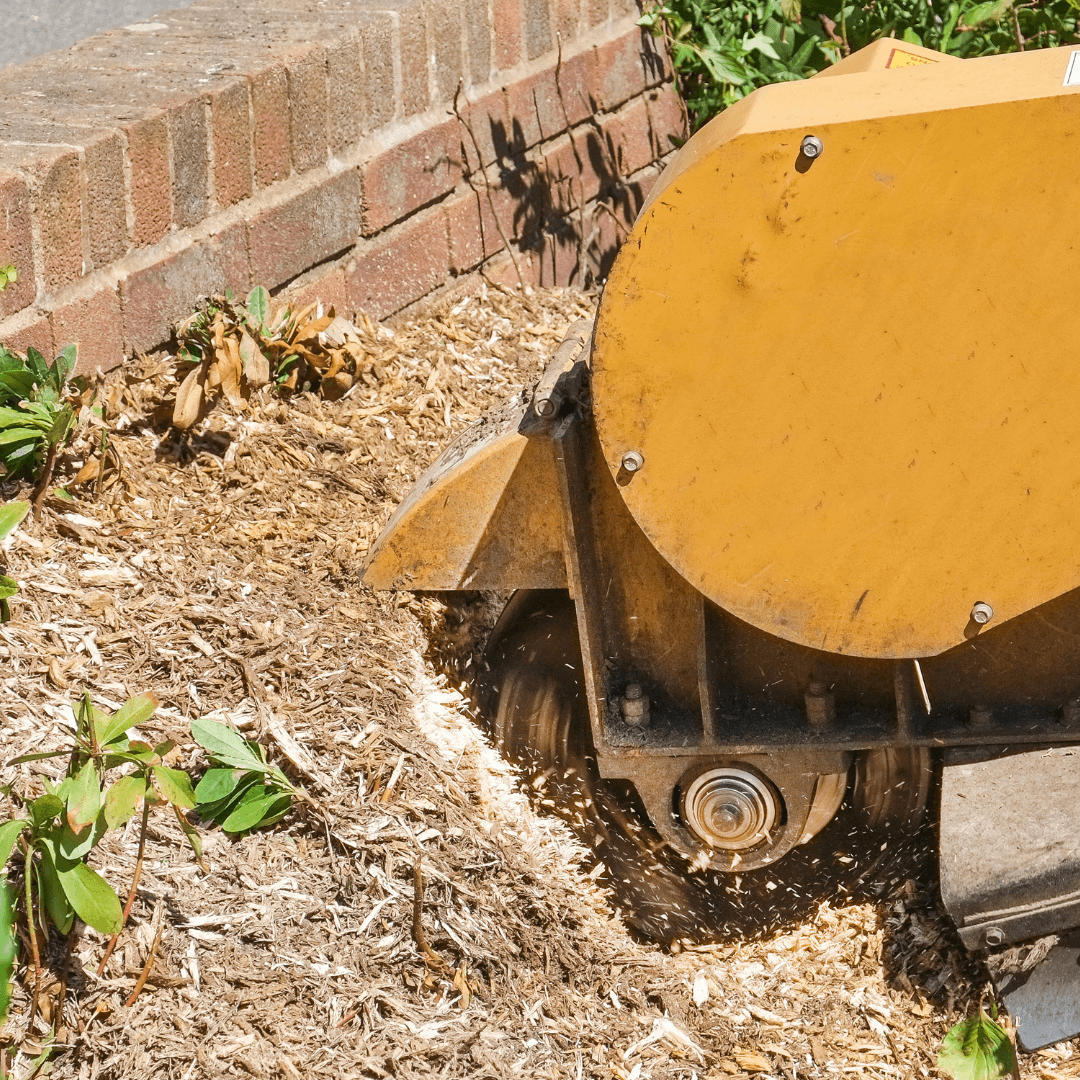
(856, 388)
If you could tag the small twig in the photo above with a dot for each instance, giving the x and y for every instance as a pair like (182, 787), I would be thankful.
(159, 922)
(46, 478)
(28, 866)
(1016, 30)
(134, 886)
(429, 954)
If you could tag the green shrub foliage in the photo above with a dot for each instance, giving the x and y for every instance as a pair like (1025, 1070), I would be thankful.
(723, 49)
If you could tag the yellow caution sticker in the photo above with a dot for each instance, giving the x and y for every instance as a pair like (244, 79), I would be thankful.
(899, 58)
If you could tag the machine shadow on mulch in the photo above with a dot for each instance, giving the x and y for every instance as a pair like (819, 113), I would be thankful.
(220, 570)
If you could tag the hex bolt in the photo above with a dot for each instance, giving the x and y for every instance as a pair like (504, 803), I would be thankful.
(812, 147)
(982, 613)
(981, 716)
(632, 461)
(820, 705)
(635, 706)
(994, 937)
(544, 407)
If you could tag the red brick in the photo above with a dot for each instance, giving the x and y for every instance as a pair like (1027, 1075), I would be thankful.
(151, 185)
(536, 28)
(230, 123)
(106, 207)
(190, 137)
(413, 50)
(158, 296)
(345, 94)
(16, 243)
(472, 230)
(399, 268)
(489, 121)
(502, 271)
(411, 174)
(596, 11)
(621, 71)
(378, 46)
(666, 118)
(307, 110)
(329, 288)
(629, 134)
(33, 331)
(93, 323)
(478, 39)
(508, 33)
(287, 239)
(571, 181)
(55, 179)
(537, 102)
(445, 27)
(270, 125)
(568, 20)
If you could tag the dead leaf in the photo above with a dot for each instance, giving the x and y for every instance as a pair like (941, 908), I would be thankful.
(189, 398)
(337, 386)
(232, 372)
(256, 366)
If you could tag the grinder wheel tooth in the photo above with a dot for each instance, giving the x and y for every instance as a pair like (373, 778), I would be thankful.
(536, 710)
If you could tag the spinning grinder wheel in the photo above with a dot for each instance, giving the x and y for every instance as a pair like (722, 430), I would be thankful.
(535, 707)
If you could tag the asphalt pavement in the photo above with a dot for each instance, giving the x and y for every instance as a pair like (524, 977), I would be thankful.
(33, 27)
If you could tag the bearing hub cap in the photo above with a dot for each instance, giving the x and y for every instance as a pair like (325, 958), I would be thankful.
(730, 808)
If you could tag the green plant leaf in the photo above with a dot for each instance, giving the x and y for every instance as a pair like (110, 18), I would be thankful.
(190, 832)
(258, 305)
(121, 800)
(254, 807)
(219, 809)
(71, 845)
(52, 892)
(92, 898)
(977, 1049)
(83, 797)
(7, 946)
(216, 784)
(9, 587)
(44, 808)
(174, 785)
(37, 757)
(227, 745)
(136, 710)
(11, 514)
(9, 833)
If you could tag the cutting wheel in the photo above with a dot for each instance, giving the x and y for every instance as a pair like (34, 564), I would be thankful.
(536, 710)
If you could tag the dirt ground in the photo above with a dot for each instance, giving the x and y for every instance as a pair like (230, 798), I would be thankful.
(221, 572)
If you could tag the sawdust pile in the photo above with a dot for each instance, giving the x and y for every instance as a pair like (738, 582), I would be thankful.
(221, 572)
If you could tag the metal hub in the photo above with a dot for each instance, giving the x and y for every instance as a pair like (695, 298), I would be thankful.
(730, 808)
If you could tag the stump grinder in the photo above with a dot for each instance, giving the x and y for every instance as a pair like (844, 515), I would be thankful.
(795, 526)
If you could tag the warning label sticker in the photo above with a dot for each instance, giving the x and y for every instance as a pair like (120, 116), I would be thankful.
(899, 58)
(1072, 72)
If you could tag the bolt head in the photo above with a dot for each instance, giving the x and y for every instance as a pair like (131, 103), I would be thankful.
(994, 937)
(632, 461)
(812, 147)
(982, 613)
(544, 407)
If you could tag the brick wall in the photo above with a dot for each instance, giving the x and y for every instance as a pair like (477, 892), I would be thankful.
(373, 151)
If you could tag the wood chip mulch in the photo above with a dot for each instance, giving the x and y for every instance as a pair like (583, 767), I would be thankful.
(220, 570)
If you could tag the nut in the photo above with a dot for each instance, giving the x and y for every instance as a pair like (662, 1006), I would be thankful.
(812, 147)
(994, 937)
(982, 613)
(632, 461)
